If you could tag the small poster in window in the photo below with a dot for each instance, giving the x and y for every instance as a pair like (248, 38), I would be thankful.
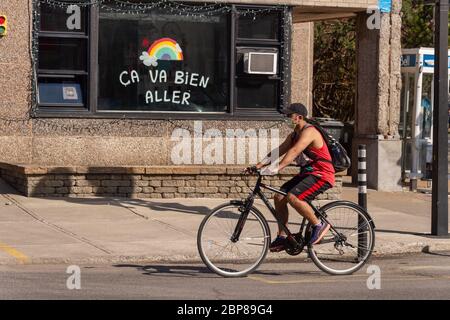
(70, 93)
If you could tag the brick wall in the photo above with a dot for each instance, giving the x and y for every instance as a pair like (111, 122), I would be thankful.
(143, 182)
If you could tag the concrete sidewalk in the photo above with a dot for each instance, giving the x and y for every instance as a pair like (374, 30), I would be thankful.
(112, 230)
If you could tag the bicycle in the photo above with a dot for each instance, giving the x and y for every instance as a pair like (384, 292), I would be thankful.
(240, 234)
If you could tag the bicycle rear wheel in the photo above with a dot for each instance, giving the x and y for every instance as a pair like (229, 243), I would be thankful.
(228, 258)
(338, 257)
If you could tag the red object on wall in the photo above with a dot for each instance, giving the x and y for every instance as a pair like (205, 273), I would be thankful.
(3, 25)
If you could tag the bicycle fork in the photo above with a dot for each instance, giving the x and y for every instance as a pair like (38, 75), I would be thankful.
(245, 210)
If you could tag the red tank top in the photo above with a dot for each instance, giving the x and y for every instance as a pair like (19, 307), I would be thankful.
(316, 167)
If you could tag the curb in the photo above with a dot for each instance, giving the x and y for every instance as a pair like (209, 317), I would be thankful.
(411, 248)
(195, 259)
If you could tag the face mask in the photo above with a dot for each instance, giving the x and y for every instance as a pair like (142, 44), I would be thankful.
(291, 123)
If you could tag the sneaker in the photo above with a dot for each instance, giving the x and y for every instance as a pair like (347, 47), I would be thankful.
(318, 232)
(279, 244)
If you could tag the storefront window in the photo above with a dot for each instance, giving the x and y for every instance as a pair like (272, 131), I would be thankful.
(62, 54)
(265, 25)
(63, 57)
(163, 62)
(110, 61)
(258, 34)
(63, 19)
(257, 93)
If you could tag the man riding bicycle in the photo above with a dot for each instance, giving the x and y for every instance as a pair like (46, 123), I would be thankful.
(308, 148)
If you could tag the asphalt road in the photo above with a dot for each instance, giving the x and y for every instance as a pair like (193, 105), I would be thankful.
(423, 276)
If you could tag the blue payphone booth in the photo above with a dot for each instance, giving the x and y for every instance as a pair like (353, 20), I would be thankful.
(416, 122)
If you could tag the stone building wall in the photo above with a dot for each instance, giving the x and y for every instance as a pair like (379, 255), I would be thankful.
(378, 99)
(88, 141)
(119, 142)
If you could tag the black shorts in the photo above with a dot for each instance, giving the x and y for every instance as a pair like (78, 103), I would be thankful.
(306, 187)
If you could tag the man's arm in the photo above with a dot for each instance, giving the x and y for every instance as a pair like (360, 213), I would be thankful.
(282, 149)
(306, 138)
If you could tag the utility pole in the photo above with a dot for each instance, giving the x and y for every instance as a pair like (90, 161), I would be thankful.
(439, 214)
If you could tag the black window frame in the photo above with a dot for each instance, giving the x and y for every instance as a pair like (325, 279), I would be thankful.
(234, 112)
(263, 43)
(66, 73)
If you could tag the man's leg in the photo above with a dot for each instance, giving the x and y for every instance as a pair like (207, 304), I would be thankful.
(282, 211)
(309, 188)
(303, 208)
(319, 229)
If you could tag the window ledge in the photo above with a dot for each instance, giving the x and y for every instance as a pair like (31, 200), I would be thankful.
(254, 114)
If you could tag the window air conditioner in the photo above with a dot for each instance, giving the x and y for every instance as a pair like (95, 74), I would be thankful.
(261, 62)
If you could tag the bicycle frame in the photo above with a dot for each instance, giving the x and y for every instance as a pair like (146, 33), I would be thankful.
(257, 192)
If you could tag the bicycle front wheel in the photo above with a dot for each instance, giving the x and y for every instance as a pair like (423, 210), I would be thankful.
(349, 244)
(233, 258)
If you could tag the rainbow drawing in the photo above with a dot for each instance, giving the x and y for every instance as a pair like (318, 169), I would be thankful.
(165, 49)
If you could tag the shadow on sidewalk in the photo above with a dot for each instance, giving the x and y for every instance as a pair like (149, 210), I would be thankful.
(418, 234)
(100, 199)
(125, 203)
(161, 207)
(447, 255)
(403, 232)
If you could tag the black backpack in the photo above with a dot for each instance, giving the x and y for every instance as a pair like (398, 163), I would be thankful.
(340, 160)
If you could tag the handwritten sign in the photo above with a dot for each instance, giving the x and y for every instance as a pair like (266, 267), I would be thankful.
(165, 49)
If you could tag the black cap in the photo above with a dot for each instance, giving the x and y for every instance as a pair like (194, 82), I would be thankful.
(298, 108)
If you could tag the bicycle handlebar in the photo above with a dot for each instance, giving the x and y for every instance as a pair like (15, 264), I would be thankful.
(252, 170)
